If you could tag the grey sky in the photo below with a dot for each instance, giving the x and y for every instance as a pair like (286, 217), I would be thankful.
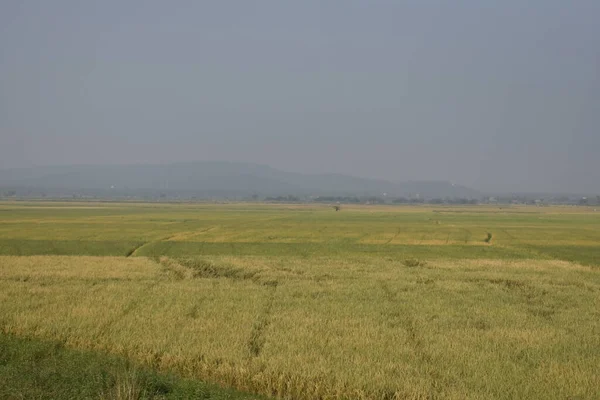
(498, 95)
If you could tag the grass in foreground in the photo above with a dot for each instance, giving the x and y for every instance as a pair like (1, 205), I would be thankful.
(325, 327)
(36, 369)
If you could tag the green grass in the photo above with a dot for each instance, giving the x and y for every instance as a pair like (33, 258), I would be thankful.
(587, 255)
(38, 369)
(566, 233)
(307, 250)
(21, 247)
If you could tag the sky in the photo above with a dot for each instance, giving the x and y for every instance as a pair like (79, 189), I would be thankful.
(499, 95)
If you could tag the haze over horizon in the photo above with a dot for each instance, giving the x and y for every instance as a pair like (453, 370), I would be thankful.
(498, 96)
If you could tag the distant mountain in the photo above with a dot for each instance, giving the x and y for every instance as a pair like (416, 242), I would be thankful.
(217, 179)
(438, 189)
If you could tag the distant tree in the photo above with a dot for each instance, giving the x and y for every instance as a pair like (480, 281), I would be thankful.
(461, 201)
(283, 198)
(339, 199)
(337, 208)
(374, 200)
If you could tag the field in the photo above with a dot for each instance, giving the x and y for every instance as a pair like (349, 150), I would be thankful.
(300, 301)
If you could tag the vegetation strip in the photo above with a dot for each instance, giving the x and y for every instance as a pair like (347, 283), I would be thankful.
(38, 369)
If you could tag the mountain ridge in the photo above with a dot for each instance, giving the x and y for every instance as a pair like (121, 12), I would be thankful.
(215, 178)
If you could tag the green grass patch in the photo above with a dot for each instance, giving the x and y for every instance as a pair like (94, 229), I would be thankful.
(21, 247)
(38, 369)
(182, 249)
(586, 255)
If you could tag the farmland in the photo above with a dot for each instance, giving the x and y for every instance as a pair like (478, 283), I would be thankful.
(302, 302)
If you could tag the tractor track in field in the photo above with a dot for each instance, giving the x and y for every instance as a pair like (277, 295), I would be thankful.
(132, 252)
(257, 339)
(395, 236)
(401, 317)
(467, 233)
(191, 234)
(131, 305)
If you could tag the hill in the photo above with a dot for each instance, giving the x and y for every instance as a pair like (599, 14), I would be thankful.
(216, 179)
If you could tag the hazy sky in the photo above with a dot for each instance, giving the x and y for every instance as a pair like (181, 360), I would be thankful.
(498, 95)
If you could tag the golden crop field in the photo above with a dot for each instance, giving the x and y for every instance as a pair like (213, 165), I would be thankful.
(302, 302)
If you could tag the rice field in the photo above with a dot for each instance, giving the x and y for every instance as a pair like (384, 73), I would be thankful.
(302, 302)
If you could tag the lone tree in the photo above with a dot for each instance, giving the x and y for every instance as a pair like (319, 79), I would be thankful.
(337, 208)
